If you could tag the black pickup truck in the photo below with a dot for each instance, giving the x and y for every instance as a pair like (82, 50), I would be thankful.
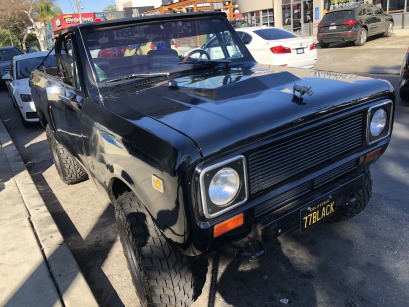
(199, 147)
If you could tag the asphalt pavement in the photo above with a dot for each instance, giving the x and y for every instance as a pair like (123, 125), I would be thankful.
(36, 267)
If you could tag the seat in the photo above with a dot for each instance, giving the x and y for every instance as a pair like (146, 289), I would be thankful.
(163, 58)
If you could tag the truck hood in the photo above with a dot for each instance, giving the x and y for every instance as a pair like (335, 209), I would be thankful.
(220, 109)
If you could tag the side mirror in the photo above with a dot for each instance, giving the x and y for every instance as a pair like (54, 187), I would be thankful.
(54, 92)
(6, 77)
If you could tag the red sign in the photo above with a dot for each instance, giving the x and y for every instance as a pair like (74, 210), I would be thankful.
(64, 21)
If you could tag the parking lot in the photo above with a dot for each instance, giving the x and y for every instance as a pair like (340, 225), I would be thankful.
(361, 262)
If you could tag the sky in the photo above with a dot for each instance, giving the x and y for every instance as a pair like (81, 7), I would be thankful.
(89, 6)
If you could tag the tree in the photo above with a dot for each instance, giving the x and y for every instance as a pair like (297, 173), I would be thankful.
(21, 15)
(110, 8)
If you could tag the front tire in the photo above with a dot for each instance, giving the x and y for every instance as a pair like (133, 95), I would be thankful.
(68, 168)
(161, 276)
(389, 29)
(362, 37)
(357, 201)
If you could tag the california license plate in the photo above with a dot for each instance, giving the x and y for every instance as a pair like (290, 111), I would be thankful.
(332, 27)
(317, 212)
(300, 50)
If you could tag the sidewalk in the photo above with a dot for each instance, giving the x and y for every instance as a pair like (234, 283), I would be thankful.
(36, 266)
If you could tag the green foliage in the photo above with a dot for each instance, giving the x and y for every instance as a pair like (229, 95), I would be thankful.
(46, 10)
(110, 8)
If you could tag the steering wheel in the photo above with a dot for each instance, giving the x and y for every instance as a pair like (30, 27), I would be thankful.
(200, 51)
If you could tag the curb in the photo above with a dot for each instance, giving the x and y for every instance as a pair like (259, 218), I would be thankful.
(64, 270)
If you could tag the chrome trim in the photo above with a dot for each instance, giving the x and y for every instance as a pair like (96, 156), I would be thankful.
(203, 192)
(368, 123)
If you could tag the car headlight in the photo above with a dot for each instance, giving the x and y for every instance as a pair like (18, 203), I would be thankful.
(379, 121)
(223, 186)
(25, 97)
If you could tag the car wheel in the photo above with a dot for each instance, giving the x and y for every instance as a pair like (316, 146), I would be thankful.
(362, 37)
(389, 29)
(324, 45)
(356, 202)
(68, 168)
(161, 276)
(404, 95)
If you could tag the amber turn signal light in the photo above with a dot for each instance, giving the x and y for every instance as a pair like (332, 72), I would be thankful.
(372, 155)
(228, 225)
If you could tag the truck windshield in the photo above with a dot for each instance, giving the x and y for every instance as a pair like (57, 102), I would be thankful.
(159, 47)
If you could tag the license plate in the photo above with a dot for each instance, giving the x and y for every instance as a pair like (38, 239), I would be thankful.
(300, 50)
(332, 27)
(317, 212)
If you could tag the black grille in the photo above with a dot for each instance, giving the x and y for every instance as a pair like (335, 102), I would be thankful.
(31, 115)
(283, 159)
(303, 189)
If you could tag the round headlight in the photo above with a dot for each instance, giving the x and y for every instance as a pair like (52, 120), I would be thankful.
(378, 122)
(224, 186)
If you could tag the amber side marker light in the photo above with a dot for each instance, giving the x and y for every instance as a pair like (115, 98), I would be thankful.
(228, 225)
(372, 155)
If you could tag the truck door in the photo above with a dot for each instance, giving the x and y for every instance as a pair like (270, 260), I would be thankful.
(65, 112)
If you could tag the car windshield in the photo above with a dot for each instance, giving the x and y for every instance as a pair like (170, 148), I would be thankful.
(7, 54)
(273, 34)
(160, 47)
(338, 16)
(26, 66)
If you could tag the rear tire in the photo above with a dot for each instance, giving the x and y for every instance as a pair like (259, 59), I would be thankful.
(324, 45)
(362, 196)
(362, 37)
(68, 168)
(161, 276)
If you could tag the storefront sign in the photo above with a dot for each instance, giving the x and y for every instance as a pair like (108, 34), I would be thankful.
(316, 13)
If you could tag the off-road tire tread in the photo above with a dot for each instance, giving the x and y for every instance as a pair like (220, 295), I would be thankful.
(71, 172)
(167, 275)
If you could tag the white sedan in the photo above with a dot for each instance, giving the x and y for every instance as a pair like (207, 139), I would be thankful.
(17, 82)
(274, 46)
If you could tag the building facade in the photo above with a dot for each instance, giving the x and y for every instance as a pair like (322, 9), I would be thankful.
(300, 15)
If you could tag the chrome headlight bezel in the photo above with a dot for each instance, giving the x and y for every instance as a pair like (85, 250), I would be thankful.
(211, 209)
(387, 107)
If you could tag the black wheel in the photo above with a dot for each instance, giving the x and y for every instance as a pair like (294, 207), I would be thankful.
(161, 276)
(389, 29)
(362, 37)
(68, 168)
(404, 95)
(356, 202)
(323, 45)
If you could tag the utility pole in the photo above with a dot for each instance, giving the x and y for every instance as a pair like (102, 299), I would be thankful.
(79, 9)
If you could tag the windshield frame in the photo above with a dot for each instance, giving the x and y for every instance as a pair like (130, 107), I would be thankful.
(166, 23)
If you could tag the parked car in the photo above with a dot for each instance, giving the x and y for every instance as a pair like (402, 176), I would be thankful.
(354, 23)
(404, 77)
(6, 54)
(18, 86)
(274, 46)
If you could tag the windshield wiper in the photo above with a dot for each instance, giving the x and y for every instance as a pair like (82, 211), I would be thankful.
(135, 76)
(207, 62)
